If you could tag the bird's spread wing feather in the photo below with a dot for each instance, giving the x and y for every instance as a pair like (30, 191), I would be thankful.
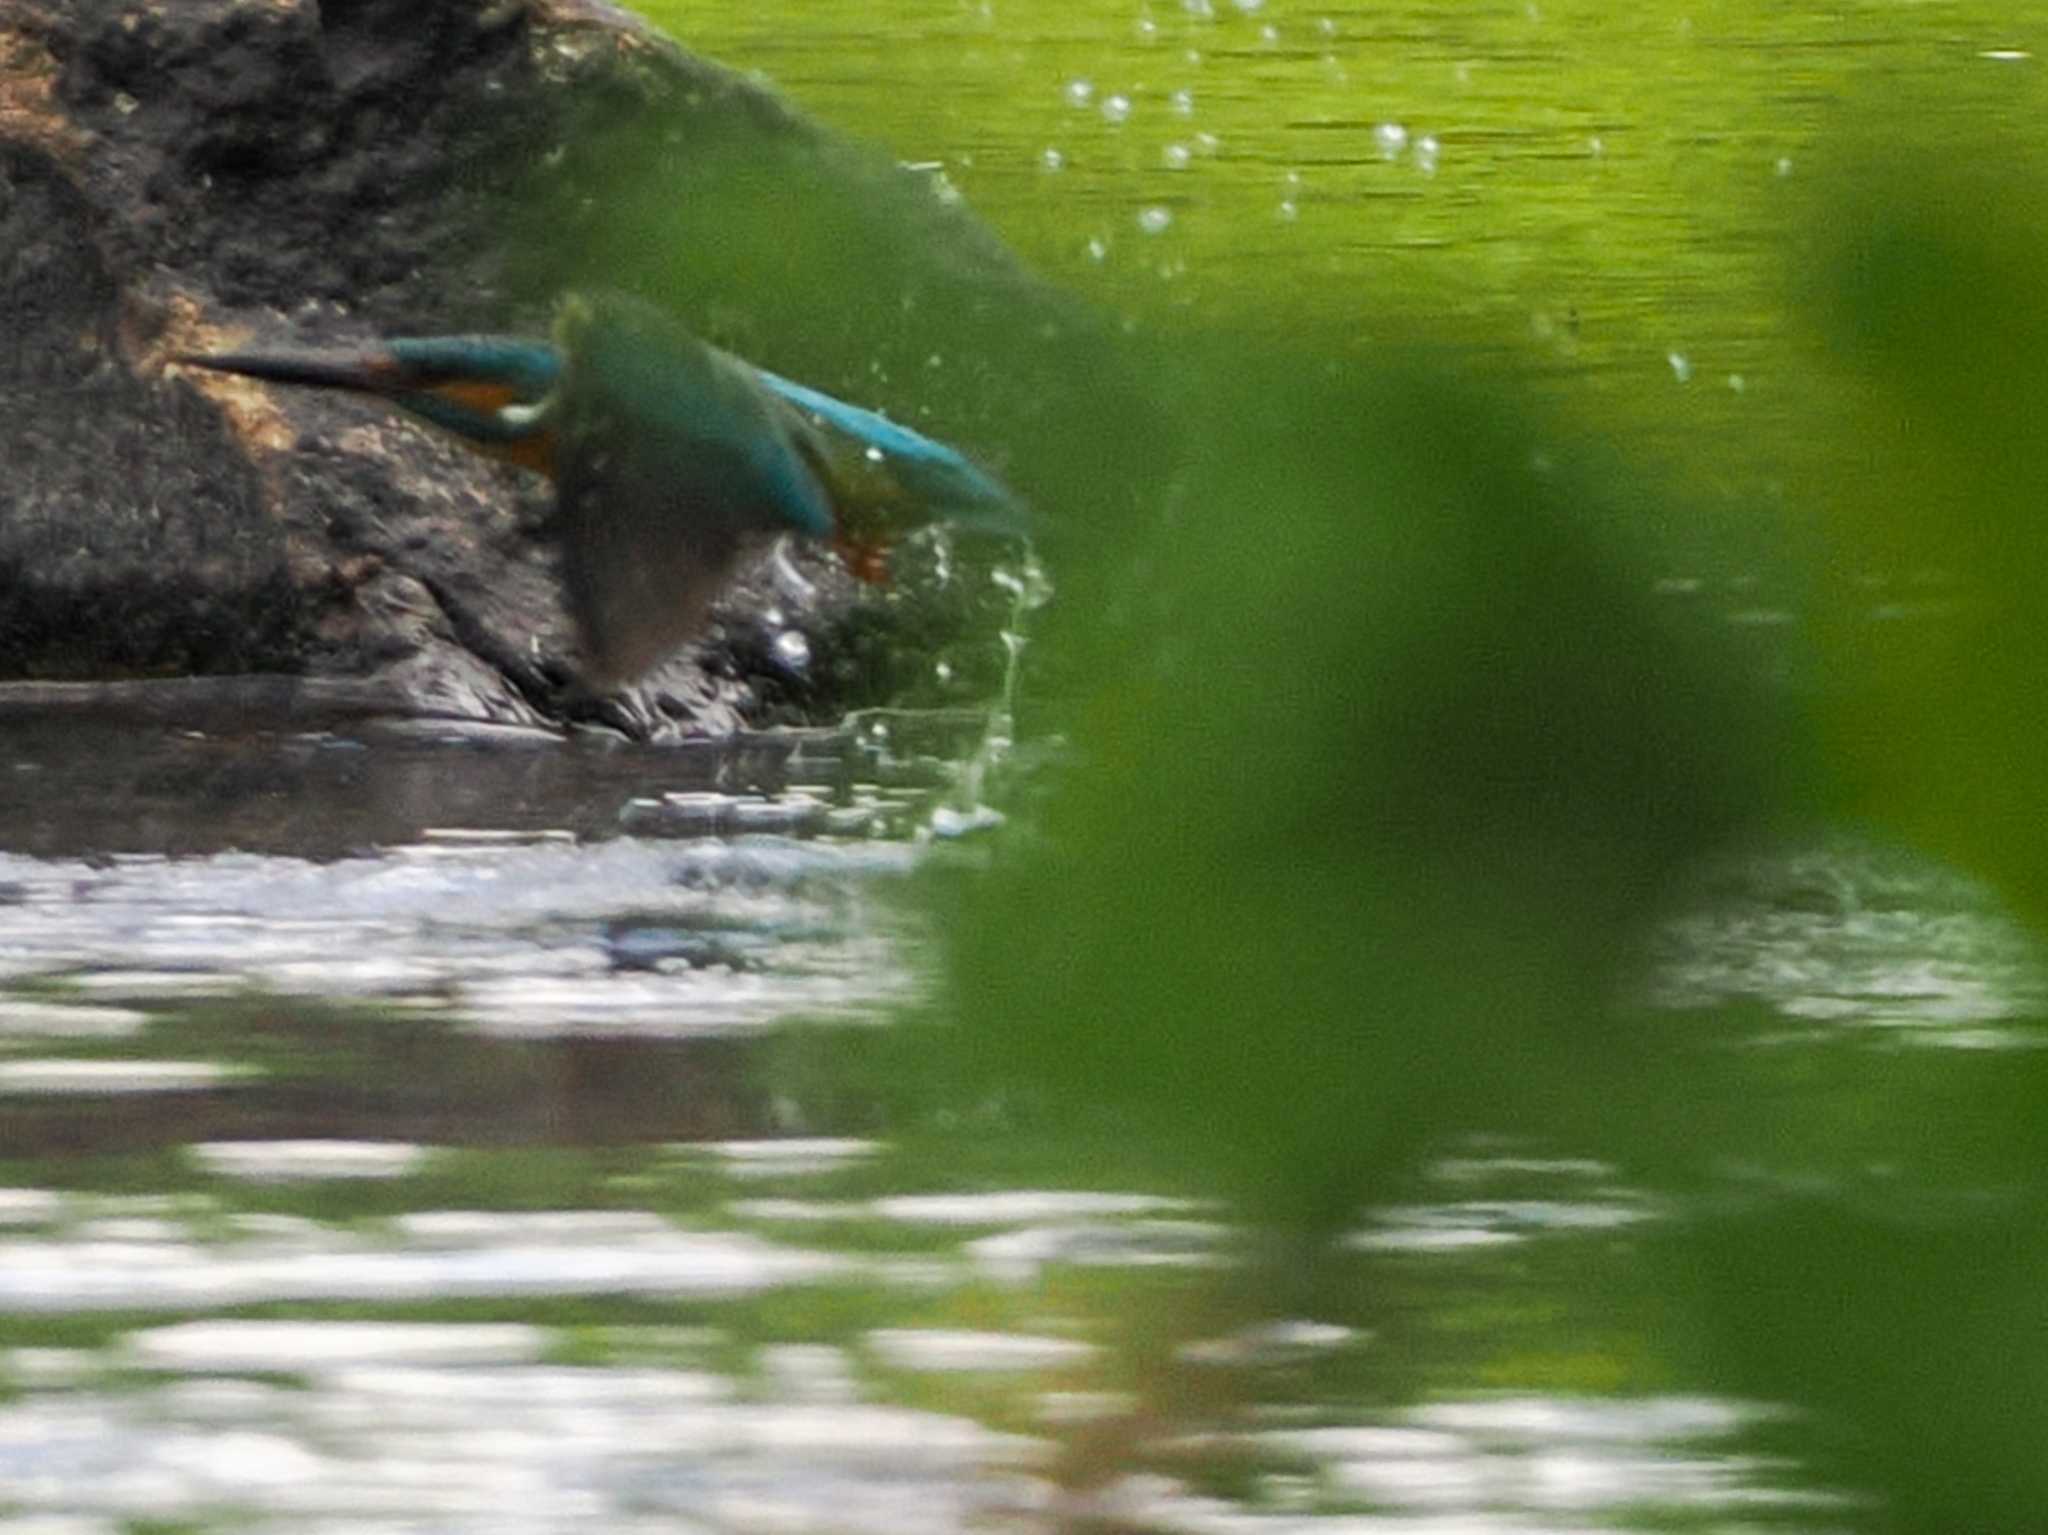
(672, 465)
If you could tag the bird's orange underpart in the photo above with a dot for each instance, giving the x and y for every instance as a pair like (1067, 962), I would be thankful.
(480, 395)
(535, 450)
(869, 562)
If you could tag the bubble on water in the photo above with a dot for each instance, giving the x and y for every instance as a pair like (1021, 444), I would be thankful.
(1427, 149)
(1176, 157)
(1183, 102)
(1116, 108)
(1681, 366)
(1051, 159)
(1391, 138)
(1155, 219)
(792, 649)
(1080, 92)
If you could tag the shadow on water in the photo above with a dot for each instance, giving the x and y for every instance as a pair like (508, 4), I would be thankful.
(92, 788)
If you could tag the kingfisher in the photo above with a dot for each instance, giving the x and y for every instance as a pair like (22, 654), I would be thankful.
(673, 460)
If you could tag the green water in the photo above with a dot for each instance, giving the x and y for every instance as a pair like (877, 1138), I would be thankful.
(1609, 200)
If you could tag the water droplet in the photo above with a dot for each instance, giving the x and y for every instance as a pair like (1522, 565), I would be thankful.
(1249, 6)
(1201, 10)
(1596, 146)
(1051, 159)
(1326, 25)
(1784, 165)
(1175, 157)
(1080, 92)
(1427, 149)
(872, 455)
(1148, 29)
(1269, 34)
(1208, 143)
(1737, 383)
(792, 649)
(1391, 138)
(1183, 102)
(943, 670)
(1117, 108)
(1289, 211)
(1155, 219)
(1681, 366)
(1098, 248)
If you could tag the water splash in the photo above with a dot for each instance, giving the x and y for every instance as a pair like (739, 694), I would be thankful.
(965, 808)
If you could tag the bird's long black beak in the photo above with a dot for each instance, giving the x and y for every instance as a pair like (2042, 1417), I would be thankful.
(368, 370)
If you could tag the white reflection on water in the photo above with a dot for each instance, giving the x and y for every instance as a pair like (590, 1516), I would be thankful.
(533, 940)
(459, 1428)
(1857, 935)
(304, 1160)
(428, 1256)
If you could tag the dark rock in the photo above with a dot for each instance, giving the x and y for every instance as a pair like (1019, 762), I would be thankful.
(192, 175)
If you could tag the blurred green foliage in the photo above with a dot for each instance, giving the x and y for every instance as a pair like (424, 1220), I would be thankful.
(1368, 816)
(1386, 770)
(1384, 763)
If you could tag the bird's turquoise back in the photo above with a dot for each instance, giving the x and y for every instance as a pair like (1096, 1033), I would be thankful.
(933, 479)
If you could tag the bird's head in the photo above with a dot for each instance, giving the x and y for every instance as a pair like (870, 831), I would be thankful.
(494, 392)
